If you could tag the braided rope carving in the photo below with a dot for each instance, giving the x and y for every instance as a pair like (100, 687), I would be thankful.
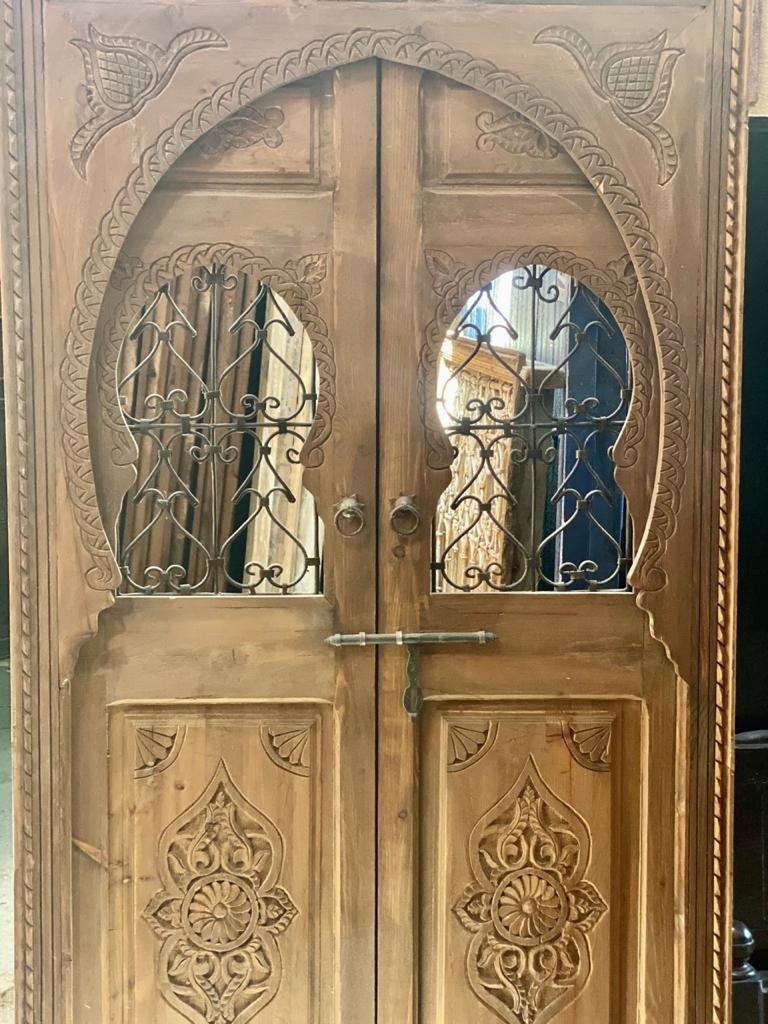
(22, 477)
(413, 50)
(727, 470)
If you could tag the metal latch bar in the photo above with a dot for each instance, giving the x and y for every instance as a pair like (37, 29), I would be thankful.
(413, 697)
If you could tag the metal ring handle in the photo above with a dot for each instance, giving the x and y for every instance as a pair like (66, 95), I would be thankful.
(404, 517)
(349, 519)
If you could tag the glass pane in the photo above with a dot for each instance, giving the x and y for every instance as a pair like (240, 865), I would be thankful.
(533, 390)
(217, 386)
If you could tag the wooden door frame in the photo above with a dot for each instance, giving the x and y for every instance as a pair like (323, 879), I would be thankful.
(41, 678)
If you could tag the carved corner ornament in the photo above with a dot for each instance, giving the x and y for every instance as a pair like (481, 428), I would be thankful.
(220, 909)
(529, 908)
(289, 747)
(468, 742)
(590, 743)
(122, 74)
(157, 747)
(635, 78)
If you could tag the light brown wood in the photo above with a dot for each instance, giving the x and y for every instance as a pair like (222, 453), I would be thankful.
(219, 817)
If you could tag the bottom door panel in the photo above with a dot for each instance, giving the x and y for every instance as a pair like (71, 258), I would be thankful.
(217, 849)
(530, 862)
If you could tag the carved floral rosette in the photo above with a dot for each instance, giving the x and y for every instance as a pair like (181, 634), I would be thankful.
(529, 908)
(220, 910)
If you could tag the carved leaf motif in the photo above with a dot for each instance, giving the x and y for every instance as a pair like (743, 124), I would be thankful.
(443, 268)
(529, 908)
(311, 271)
(220, 909)
(250, 126)
(468, 742)
(514, 134)
(122, 74)
(288, 747)
(635, 77)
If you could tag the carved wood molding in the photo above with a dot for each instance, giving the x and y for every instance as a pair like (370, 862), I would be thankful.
(635, 78)
(31, 850)
(122, 74)
(414, 50)
(299, 281)
(727, 519)
(454, 283)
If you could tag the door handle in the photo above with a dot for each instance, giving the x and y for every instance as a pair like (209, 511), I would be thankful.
(413, 696)
(404, 516)
(349, 519)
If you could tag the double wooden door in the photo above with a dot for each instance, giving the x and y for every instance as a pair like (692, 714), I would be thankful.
(276, 837)
(421, 337)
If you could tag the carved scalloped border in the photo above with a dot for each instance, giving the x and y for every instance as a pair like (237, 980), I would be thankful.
(455, 282)
(414, 50)
(299, 281)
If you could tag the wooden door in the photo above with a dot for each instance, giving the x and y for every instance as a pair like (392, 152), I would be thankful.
(425, 326)
(528, 817)
(223, 865)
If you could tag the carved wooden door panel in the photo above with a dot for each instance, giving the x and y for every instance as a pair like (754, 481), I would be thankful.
(426, 327)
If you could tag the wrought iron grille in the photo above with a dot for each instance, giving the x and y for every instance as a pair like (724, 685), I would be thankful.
(534, 387)
(217, 386)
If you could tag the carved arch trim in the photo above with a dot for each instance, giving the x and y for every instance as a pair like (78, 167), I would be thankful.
(414, 50)
(455, 283)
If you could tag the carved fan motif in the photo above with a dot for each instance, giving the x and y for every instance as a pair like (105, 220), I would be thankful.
(590, 743)
(468, 742)
(289, 748)
(157, 747)
(220, 910)
(529, 908)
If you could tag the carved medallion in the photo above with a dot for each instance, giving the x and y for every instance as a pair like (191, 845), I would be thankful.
(529, 908)
(515, 134)
(220, 910)
(122, 74)
(468, 742)
(635, 78)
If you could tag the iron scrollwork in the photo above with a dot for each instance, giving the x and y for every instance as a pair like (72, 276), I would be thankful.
(220, 401)
(533, 410)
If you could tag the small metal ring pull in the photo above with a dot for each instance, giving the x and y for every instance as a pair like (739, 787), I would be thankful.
(349, 519)
(404, 517)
